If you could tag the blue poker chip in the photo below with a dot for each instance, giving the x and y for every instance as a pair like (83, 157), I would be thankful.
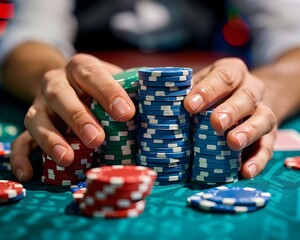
(163, 132)
(162, 144)
(160, 103)
(158, 80)
(236, 196)
(162, 93)
(165, 71)
(159, 107)
(164, 154)
(209, 206)
(150, 97)
(163, 164)
(180, 168)
(172, 177)
(163, 137)
(211, 151)
(75, 187)
(162, 126)
(165, 150)
(164, 113)
(215, 170)
(161, 160)
(165, 83)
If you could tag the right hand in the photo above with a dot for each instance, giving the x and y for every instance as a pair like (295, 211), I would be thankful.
(61, 103)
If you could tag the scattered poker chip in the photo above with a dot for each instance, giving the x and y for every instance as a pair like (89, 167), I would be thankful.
(238, 196)
(11, 191)
(224, 199)
(210, 206)
(292, 162)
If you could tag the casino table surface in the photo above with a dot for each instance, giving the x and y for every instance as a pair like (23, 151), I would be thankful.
(42, 214)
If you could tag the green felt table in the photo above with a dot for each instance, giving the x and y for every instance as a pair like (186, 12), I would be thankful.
(42, 215)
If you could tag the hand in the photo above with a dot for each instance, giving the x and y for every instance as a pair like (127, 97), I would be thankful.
(61, 104)
(241, 94)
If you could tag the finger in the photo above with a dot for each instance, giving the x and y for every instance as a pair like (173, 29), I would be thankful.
(222, 80)
(63, 100)
(242, 103)
(21, 149)
(41, 128)
(92, 77)
(258, 155)
(259, 124)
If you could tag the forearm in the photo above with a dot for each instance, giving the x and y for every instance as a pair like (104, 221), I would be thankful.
(25, 66)
(282, 79)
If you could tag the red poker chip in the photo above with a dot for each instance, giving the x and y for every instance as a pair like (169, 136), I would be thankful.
(58, 182)
(292, 162)
(10, 189)
(94, 185)
(64, 176)
(72, 167)
(77, 160)
(113, 200)
(65, 173)
(105, 194)
(121, 174)
(110, 212)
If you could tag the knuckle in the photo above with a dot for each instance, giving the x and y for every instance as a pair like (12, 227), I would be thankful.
(77, 115)
(54, 89)
(270, 119)
(32, 112)
(226, 77)
(252, 96)
(87, 73)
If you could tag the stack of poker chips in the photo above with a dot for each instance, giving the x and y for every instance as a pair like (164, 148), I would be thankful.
(5, 149)
(54, 174)
(163, 131)
(11, 191)
(116, 191)
(214, 163)
(119, 147)
(224, 199)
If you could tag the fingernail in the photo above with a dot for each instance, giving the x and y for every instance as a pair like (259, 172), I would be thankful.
(89, 133)
(19, 172)
(223, 119)
(242, 139)
(195, 102)
(120, 107)
(252, 170)
(59, 152)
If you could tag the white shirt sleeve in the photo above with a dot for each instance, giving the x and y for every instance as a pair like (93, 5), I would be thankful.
(50, 21)
(274, 25)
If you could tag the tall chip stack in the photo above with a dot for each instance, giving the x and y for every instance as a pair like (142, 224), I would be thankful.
(214, 163)
(163, 131)
(119, 147)
(54, 174)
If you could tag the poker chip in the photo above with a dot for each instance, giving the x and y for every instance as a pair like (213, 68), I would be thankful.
(292, 162)
(238, 196)
(11, 191)
(115, 191)
(54, 174)
(224, 199)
